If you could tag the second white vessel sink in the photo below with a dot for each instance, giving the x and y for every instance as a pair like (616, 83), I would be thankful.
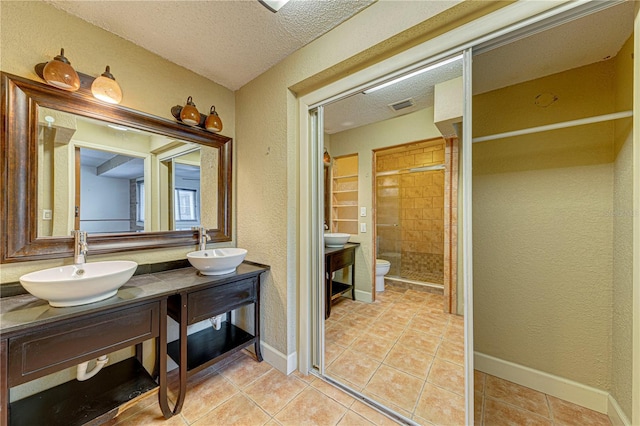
(74, 285)
(217, 261)
(336, 239)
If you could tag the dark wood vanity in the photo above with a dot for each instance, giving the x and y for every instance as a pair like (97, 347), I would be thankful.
(38, 340)
(336, 258)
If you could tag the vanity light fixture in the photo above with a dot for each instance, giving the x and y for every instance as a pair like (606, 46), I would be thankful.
(326, 158)
(273, 5)
(213, 122)
(59, 73)
(106, 88)
(412, 74)
(189, 114)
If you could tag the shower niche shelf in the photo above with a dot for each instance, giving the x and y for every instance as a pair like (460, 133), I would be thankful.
(344, 195)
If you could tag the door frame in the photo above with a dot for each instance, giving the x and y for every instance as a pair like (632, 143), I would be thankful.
(497, 24)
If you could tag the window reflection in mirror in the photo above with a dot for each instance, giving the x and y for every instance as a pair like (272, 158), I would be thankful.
(105, 178)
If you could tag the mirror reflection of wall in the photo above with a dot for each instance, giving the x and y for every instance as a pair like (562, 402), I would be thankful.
(111, 192)
(147, 182)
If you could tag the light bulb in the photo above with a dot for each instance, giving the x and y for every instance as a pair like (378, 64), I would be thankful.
(59, 73)
(106, 88)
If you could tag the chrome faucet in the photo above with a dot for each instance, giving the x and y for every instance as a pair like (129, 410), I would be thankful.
(203, 237)
(80, 247)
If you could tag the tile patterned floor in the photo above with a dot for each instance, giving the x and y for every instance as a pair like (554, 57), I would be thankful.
(402, 351)
(499, 402)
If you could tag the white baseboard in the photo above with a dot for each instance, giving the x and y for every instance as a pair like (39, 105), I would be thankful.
(568, 390)
(615, 413)
(285, 364)
(363, 296)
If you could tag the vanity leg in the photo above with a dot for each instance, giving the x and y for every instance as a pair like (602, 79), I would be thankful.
(327, 293)
(139, 352)
(161, 358)
(4, 383)
(353, 280)
(182, 368)
(256, 321)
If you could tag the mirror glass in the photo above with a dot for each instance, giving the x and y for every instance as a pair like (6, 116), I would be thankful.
(105, 178)
(403, 341)
(132, 180)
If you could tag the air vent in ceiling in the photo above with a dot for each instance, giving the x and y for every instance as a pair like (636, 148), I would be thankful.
(397, 106)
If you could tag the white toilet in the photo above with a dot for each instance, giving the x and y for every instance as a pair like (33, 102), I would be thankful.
(382, 268)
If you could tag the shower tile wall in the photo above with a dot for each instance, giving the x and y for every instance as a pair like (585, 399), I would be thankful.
(415, 203)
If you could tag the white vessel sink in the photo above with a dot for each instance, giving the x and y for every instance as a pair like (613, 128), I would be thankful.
(336, 239)
(217, 261)
(78, 285)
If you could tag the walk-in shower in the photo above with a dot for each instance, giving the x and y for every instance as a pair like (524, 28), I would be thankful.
(410, 194)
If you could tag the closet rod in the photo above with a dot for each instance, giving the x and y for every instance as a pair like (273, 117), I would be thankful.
(564, 124)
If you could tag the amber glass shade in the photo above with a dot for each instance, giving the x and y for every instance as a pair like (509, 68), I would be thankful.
(60, 73)
(189, 113)
(213, 122)
(106, 88)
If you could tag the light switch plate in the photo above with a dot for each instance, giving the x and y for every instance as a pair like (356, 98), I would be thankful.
(47, 214)
(363, 211)
(363, 227)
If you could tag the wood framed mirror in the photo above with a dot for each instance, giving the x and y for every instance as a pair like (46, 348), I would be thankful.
(28, 108)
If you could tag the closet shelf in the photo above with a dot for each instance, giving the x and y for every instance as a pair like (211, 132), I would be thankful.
(346, 176)
(556, 126)
(345, 191)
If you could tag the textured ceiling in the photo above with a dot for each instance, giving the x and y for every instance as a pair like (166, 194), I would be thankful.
(590, 39)
(229, 42)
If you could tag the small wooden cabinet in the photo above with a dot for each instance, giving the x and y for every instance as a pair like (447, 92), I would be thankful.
(38, 351)
(334, 260)
(200, 350)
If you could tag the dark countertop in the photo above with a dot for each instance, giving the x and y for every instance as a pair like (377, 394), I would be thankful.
(330, 250)
(26, 311)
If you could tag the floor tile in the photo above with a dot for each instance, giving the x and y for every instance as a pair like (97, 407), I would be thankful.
(451, 351)
(478, 408)
(353, 367)
(353, 419)
(517, 395)
(422, 341)
(274, 390)
(440, 406)
(478, 381)
(372, 346)
(204, 395)
(333, 393)
(371, 414)
(447, 375)
(385, 329)
(311, 407)
(332, 351)
(395, 386)
(410, 360)
(244, 371)
(566, 413)
(497, 413)
(238, 410)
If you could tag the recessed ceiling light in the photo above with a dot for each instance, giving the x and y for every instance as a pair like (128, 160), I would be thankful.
(273, 5)
(412, 74)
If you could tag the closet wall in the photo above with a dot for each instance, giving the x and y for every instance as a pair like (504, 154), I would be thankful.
(544, 223)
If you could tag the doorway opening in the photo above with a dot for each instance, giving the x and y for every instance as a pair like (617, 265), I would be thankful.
(414, 198)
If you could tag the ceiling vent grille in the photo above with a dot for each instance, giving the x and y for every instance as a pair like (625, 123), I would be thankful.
(397, 106)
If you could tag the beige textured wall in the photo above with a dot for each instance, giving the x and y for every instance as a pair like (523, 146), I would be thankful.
(363, 140)
(267, 152)
(33, 32)
(543, 232)
(622, 213)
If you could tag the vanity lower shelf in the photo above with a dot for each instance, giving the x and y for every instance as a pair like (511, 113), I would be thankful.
(93, 401)
(338, 289)
(209, 346)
